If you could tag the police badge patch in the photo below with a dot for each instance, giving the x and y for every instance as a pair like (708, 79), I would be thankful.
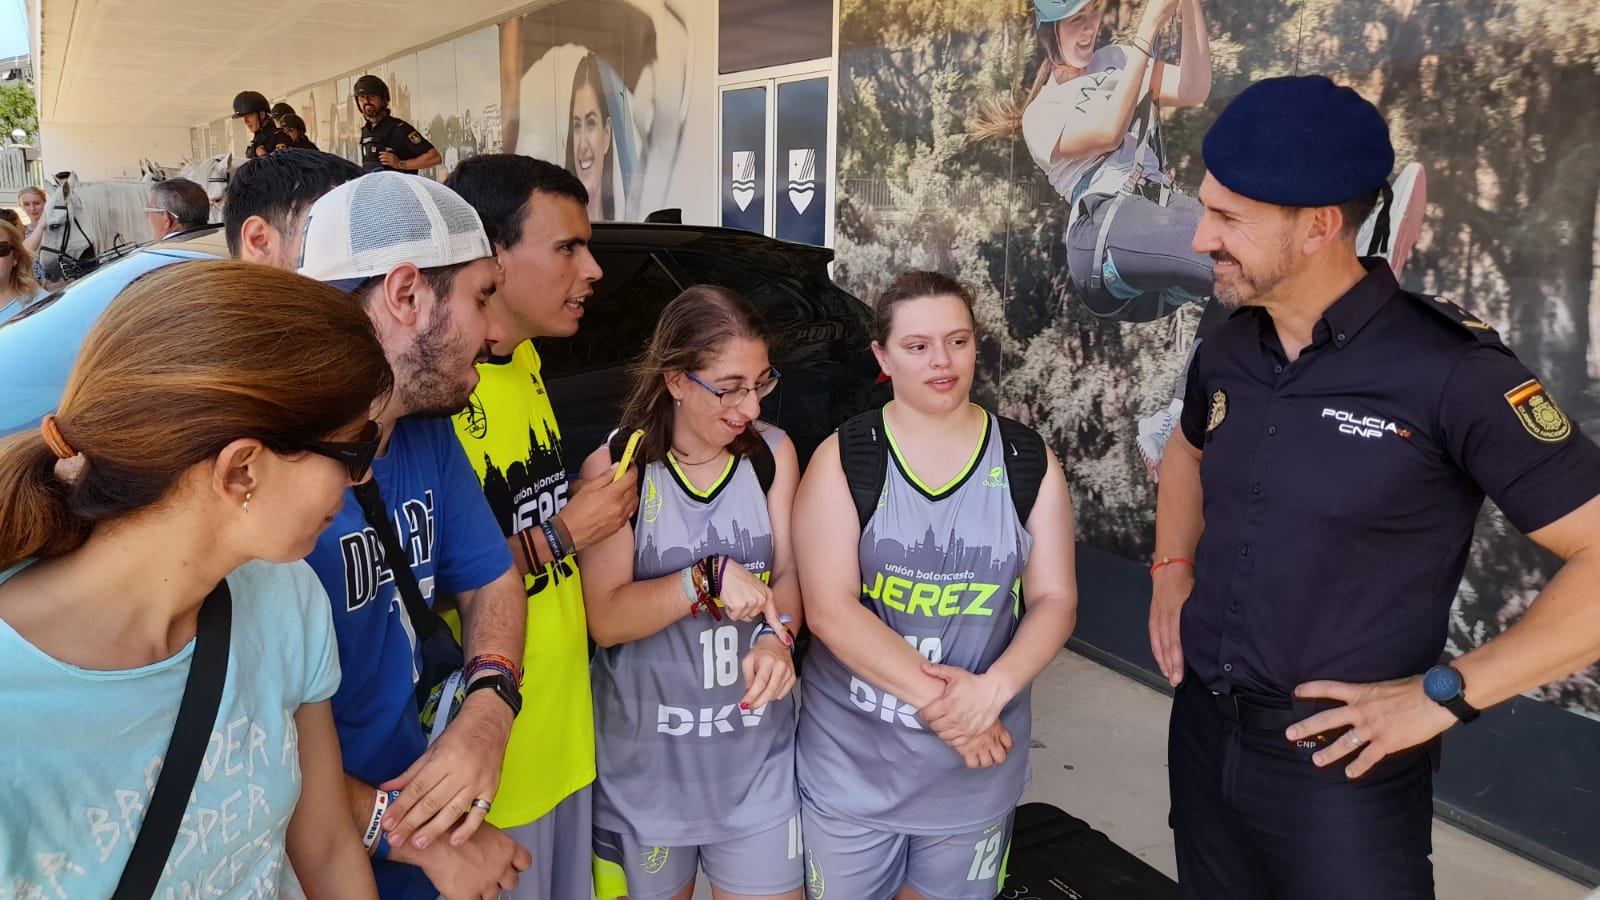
(1219, 411)
(415, 138)
(1538, 413)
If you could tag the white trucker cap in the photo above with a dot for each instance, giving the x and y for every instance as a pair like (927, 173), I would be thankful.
(366, 227)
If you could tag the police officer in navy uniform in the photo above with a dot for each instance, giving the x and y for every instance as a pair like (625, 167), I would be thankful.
(1339, 436)
(388, 142)
(279, 110)
(252, 107)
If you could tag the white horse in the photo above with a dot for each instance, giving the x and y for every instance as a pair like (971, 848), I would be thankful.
(85, 220)
(213, 174)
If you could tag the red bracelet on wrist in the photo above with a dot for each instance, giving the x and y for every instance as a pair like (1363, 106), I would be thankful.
(1169, 560)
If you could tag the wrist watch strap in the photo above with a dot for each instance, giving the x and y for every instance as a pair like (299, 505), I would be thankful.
(503, 687)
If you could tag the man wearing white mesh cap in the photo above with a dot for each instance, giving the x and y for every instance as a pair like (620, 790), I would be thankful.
(416, 257)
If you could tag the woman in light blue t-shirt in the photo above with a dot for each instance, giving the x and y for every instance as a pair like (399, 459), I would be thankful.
(216, 414)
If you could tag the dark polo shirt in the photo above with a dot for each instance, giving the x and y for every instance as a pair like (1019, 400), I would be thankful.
(1341, 490)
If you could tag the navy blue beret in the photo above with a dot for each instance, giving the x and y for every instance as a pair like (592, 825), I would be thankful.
(1299, 141)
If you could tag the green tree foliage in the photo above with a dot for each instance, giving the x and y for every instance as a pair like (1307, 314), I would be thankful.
(1495, 97)
(18, 110)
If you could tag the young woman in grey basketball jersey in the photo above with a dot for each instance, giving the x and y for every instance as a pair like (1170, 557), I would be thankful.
(914, 725)
(693, 608)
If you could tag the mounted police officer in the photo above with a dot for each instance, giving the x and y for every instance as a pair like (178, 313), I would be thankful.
(252, 107)
(294, 128)
(388, 142)
(1316, 508)
(279, 110)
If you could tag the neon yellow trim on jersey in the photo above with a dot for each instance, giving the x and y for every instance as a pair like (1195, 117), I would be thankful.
(689, 485)
(960, 476)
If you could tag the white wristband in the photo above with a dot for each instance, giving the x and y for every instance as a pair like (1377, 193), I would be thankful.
(375, 827)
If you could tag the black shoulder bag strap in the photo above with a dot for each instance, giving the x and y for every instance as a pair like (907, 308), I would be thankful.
(864, 456)
(202, 695)
(423, 618)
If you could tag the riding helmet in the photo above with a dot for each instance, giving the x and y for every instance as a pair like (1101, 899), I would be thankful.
(246, 102)
(371, 85)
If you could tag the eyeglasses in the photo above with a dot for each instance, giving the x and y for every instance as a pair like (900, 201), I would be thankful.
(156, 209)
(734, 396)
(356, 455)
(5, 250)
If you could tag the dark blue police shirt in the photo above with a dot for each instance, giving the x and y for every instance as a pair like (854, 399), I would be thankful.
(1340, 490)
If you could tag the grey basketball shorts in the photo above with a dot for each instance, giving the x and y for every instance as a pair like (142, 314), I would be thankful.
(765, 863)
(846, 861)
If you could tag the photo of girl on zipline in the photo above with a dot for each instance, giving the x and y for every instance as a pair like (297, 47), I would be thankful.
(1092, 122)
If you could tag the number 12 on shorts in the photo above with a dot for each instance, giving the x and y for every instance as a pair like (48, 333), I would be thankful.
(985, 859)
(932, 648)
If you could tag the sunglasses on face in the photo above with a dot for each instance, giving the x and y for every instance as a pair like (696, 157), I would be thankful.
(734, 396)
(5, 250)
(356, 455)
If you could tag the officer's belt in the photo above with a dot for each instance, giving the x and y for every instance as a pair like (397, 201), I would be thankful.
(1258, 713)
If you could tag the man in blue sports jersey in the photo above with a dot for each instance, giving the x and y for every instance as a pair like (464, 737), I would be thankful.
(416, 257)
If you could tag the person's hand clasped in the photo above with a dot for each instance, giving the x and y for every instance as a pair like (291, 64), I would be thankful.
(969, 707)
(1383, 718)
(478, 869)
(389, 159)
(437, 791)
(768, 671)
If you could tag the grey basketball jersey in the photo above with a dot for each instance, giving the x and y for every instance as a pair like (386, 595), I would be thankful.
(943, 570)
(679, 763)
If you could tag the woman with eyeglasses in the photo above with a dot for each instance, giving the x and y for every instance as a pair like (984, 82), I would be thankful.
(18, 287)
(214, 418)
(693, 607)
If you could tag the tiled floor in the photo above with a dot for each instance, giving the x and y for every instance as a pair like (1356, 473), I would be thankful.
(1100, 753)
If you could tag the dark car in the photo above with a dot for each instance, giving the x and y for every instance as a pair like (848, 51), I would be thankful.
(820, 332)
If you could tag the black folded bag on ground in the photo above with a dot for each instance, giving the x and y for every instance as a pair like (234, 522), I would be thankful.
(1055, 855)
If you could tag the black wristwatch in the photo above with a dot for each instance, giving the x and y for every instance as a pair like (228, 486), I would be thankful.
(503, 687)
(1444, 686)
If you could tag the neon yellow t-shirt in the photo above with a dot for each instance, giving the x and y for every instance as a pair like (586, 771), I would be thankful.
(511, 436)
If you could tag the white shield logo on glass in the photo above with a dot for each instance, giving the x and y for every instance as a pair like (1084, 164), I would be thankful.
(744, 178)
(802, 178)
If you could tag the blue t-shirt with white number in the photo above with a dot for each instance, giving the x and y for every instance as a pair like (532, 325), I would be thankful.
(454, 545)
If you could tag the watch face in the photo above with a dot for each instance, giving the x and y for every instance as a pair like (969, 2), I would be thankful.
(1442, 683)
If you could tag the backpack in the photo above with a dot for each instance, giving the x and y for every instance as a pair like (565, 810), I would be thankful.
(864, 455)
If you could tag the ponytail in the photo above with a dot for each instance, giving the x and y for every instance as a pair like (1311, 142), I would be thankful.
(35, 503)
(1003, 118)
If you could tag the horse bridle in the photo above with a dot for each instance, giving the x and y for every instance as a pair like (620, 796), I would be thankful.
(66, 232)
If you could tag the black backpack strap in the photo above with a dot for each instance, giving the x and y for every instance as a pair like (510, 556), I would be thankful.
(423, 619)
(1027, 461)
(765, 466)
(191, 735)
(864, 456)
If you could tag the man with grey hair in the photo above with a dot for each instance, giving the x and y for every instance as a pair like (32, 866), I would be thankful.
(177, 205)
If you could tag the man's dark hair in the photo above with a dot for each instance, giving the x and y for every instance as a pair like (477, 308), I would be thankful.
(279, 186)
(499, 186)
(184, 200)
(1355, 212)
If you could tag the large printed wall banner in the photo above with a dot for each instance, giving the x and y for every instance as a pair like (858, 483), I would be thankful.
(744, 159)
(619, 92)
(802, 161)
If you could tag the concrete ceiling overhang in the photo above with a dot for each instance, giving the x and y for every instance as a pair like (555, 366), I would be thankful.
(179, 62)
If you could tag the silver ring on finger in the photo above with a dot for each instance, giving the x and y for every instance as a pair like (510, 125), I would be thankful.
(1355, 741)
(482, 804)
